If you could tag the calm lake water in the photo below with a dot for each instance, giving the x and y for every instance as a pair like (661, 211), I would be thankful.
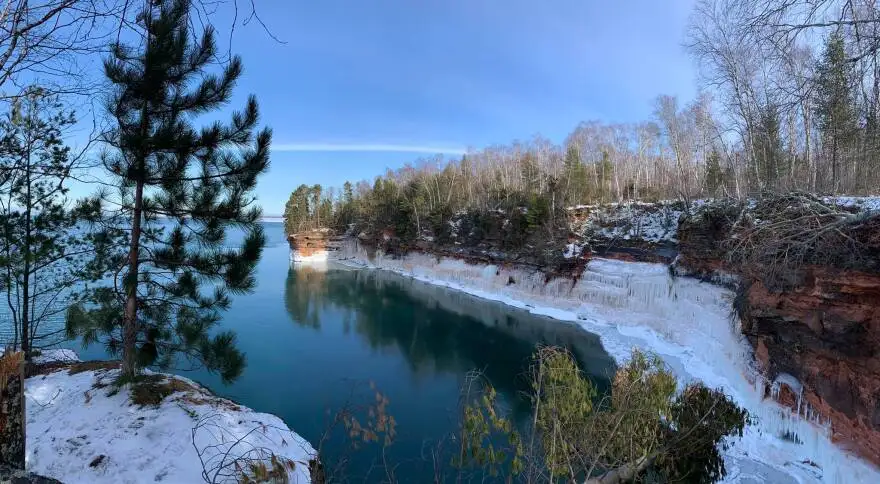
(314, 339)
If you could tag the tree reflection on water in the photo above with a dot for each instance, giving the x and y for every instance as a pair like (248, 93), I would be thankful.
(437, 329)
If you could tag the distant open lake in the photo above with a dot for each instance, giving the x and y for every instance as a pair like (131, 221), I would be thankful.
(313, 335)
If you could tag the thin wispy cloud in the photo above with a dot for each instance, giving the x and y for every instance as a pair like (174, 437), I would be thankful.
(363, 147)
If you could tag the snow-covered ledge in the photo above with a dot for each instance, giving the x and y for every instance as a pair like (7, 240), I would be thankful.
(80, 430)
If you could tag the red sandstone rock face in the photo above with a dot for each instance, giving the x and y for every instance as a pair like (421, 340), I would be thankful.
(826, 333)
(310, 243)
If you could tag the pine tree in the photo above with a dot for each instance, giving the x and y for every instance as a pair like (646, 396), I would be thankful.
(180, 189)
(768, 148)
(325, 212)
(834, 106)
(347, 193)
(315, 206)
(344, 212)
(714, 174)
(40, 254)
(296, 210)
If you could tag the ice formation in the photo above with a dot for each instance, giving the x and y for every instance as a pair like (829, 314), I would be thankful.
(688, 323)
(316, 256)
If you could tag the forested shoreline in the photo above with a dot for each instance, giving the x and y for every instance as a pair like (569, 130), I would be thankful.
(789, 100)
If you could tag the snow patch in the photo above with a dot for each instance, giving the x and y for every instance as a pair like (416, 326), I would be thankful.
(651, 222)
(454, 226)
(572, 251)
(79, 431)
(860, 203)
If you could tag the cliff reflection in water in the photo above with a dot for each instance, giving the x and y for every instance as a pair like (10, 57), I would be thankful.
(438, 329)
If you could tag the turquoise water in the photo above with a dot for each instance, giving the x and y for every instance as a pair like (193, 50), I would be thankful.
(314, 339)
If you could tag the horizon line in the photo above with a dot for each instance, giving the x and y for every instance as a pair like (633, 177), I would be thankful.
(365, 147)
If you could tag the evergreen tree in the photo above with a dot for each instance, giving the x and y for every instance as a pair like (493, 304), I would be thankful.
(39, 252)
(347, 193)
(289, 222)
(384, 205)
(714, 174)
(180, 189)
(604, 173)
(575, 176)
(768, 148)
(344, 212)
(315, 206)
(296, 211)
(324, 212)
(835, 111)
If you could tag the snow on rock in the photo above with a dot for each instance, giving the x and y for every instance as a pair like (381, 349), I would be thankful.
(56, 356)
(859, 203)
(572, 251)
(658, 222)
(651, 222)
(683, 320)
(79, 430)
(455, 224)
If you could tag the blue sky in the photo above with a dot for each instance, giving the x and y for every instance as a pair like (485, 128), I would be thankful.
(358, 83)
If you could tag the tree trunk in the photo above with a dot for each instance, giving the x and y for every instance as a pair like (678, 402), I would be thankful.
(26, 279)
(834, 166)
(625, 473)
(12, 411)
(130, 323)
(808, 153)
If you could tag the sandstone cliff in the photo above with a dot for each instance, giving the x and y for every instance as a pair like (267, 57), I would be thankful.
(816, 323)
(825, 333)
(312, 244)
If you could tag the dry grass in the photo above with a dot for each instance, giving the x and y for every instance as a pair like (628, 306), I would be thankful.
(276, 470)
(151, 390)
(782, 234)
(200, 398)
(80, 367)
